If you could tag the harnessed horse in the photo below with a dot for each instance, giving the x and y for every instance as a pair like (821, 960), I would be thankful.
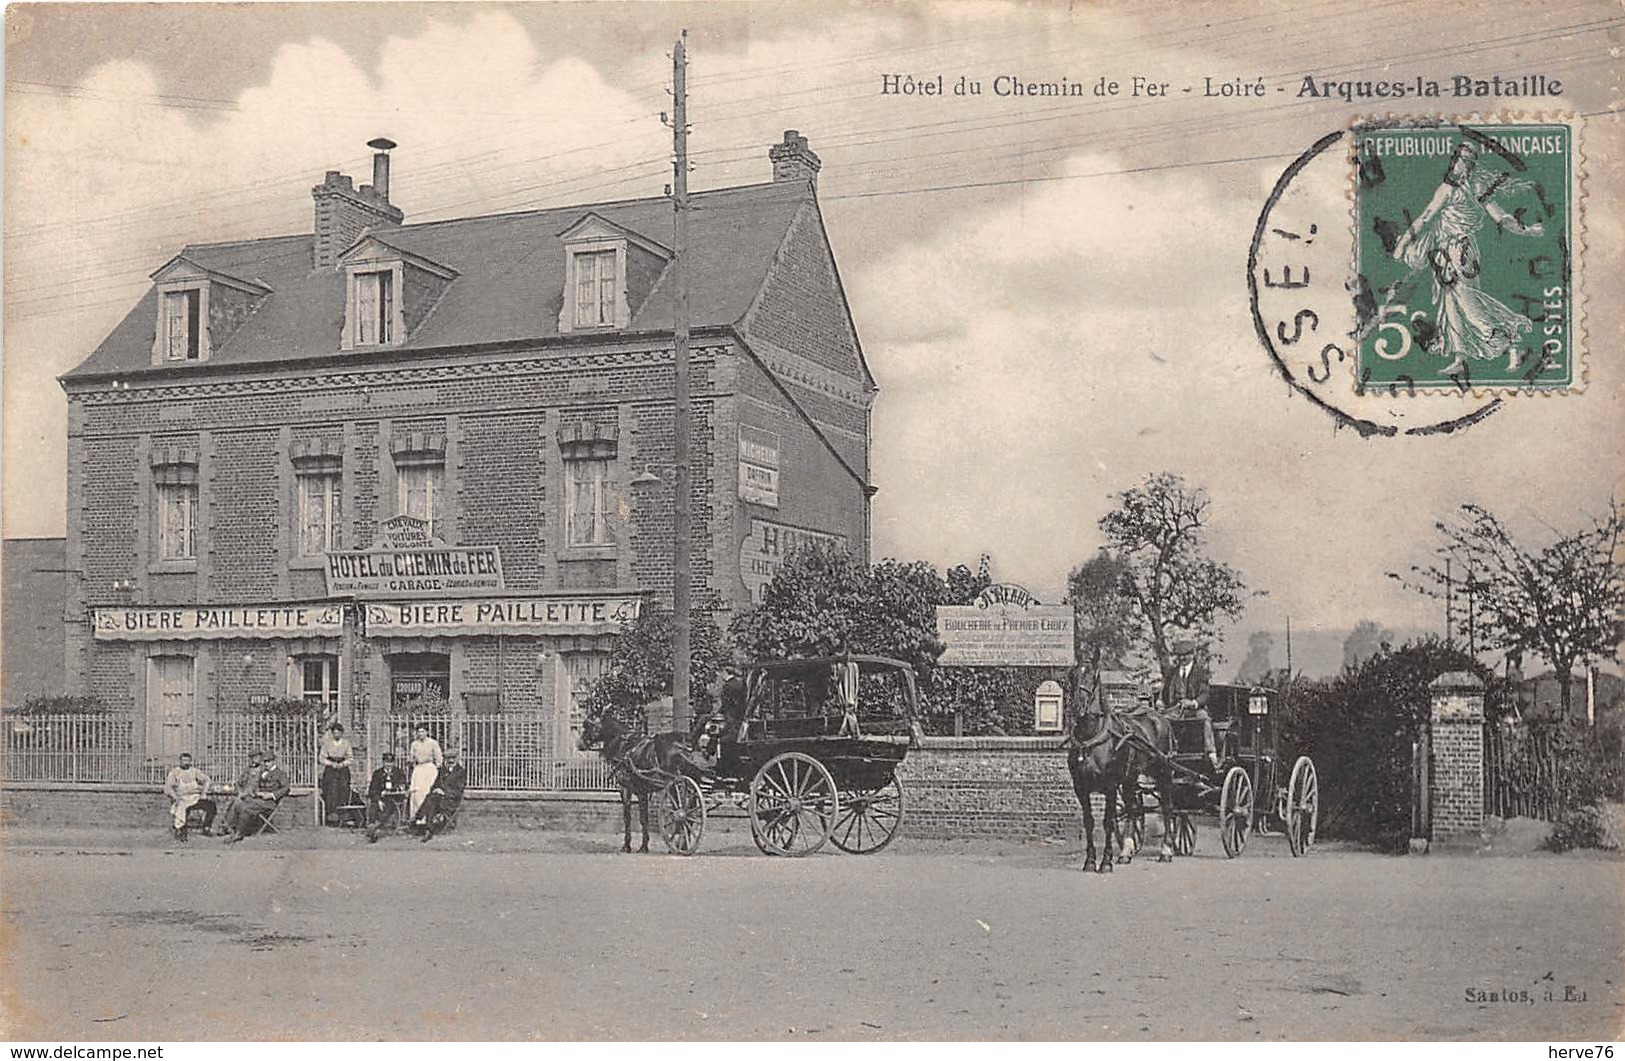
(639, 766)
(1106, 753)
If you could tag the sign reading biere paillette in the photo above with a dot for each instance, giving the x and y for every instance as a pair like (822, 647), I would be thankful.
(501, 615)
(206, 622)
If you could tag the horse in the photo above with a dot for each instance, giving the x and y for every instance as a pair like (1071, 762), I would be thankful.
(1106, 753)
(639, 766)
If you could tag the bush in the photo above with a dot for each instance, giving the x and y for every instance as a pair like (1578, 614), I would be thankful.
(61, 705)
(1579, 827)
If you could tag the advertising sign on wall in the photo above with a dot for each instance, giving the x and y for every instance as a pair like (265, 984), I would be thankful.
(1006, 627)
(769, 543)
(406, 560)
(207, 622)
(759, 466)
(500, 615)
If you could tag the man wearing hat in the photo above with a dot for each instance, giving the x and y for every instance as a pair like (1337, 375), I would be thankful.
(269, 785)
(440, 805)
(1185, 692)
(385, 794)
(244, 786)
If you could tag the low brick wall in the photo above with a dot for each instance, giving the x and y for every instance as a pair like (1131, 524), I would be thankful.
(988, 786)
(1014, 787)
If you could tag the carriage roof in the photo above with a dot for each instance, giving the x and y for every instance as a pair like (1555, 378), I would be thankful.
(815, 663)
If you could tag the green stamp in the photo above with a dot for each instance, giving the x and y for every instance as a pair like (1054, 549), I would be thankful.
(1465, 257)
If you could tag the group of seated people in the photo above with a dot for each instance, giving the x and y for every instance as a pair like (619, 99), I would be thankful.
(428, 802)
(256, 794)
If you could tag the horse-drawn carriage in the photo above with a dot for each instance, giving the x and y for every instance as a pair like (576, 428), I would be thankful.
(1250, 790)
(809, 748)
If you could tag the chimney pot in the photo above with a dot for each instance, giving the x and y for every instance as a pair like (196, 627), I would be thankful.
(380, 165)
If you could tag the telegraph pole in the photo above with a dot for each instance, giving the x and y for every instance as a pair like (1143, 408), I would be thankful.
(681, 412)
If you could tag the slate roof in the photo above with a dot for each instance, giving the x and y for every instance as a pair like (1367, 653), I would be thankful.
(510, 282)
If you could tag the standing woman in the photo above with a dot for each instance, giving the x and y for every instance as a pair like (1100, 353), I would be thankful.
(426, 760)
(336, 756)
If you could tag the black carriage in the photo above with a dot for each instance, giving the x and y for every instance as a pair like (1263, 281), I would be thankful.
(809, 748)
(1251, 790)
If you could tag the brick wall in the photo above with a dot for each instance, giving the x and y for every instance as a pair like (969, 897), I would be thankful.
(989, 787)
(245, 543)
(801, 307)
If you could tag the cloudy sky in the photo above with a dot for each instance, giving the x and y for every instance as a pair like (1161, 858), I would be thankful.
(1051, 292)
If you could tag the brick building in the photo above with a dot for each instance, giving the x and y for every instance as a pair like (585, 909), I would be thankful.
(395, 468)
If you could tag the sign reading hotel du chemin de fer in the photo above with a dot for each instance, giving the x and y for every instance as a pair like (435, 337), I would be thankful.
(1006, 627)
(405, 559)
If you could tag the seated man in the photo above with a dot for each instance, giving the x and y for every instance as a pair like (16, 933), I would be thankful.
(241, 789)
(386, 797)
(270, 785)
(1185, 693)
(185, 787)
(440, 806)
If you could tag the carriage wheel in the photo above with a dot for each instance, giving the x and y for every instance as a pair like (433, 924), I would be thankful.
(869, 818)
(793, 804)
(1184, 834)
(682, 816)
(1302, 806)
(1235, 811)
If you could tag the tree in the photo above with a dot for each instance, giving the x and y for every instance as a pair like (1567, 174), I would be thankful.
(1157, 529)
(1105, 622)
(1363, 642)
(639, 670)
(1562, 602)
(1256, 667)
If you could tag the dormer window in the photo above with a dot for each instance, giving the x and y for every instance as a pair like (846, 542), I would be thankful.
(199, 309)
(595, 289)
(387, 293)
(608, 271)
(375, 308)
(182, 336)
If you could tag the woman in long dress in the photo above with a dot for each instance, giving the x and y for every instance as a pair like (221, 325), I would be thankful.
(336, 757)
(426, 760)
(1471, 323)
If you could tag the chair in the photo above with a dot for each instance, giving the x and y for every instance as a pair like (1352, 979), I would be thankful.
(352, 813)
(267, 822)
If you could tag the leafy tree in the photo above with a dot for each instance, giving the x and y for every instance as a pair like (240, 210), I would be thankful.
(1562, 602)
(1157, 529)
(1106, 623)
(1253, 669)
(1363, 642)
(639, 670)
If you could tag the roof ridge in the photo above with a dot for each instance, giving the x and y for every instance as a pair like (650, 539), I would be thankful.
(603, 204)
(242, 242)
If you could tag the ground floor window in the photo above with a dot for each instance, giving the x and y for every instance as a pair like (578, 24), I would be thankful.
(419, 683)
(316, 682)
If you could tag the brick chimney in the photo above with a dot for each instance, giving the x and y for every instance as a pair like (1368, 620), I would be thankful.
(344, 211)
(793, 160)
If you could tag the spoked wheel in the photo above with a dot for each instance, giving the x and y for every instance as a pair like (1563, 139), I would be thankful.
(1184, 834)
(682, 816)
(793, 805)
(1302, 806)
(869, 818)
(1235, 811)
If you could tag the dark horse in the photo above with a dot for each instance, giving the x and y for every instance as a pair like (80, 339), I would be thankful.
(639, 766)
(1106, 753)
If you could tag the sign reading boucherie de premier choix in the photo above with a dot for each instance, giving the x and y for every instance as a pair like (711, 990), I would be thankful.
(406, 560)
(1006, 627)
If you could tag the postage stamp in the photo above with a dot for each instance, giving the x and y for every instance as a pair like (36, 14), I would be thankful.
(1465, 256)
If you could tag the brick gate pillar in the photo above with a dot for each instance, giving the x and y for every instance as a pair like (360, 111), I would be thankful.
(1457, 773)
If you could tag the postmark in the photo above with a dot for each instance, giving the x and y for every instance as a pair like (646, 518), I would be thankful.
(1464, 255)
(1318, 317)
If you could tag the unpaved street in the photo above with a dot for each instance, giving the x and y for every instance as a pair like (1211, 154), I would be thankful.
(521, 935)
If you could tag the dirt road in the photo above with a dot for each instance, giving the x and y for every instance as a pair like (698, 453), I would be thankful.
(518, 936)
